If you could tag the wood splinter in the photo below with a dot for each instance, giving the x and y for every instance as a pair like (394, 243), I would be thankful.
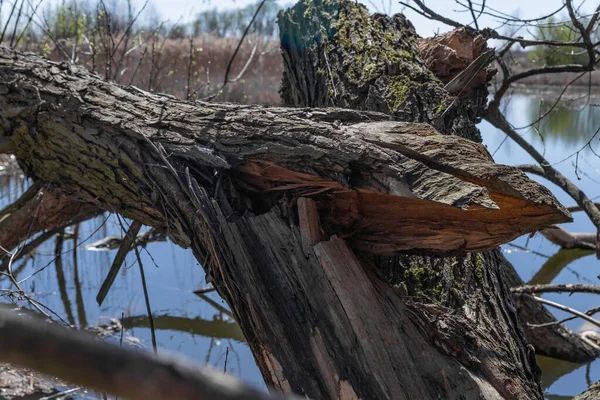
(310, 228)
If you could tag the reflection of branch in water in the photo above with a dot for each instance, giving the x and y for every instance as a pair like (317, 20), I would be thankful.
(216, 305)
(556, 264)
(217, 328)
(237, 357)
(554, 369)
(526, 250)
(29, 248)
(60, 277)
(78, 296)
(211, 346)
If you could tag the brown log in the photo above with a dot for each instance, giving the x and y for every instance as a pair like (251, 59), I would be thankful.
(326, 66)
(79, 358)
(145, 156)
(395, 184)
(318, 319)
(38, 210)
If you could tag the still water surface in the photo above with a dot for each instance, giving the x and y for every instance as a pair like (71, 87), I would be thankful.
(202, 328)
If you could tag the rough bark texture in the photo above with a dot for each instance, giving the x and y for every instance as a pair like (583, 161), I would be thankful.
(316, 313)
(317, 322)
(386, 186)
(335, 54)
(593, 393)
(380, 50)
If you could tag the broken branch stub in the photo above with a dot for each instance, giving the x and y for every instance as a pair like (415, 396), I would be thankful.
(385, 186)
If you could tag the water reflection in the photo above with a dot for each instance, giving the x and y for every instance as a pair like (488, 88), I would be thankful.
(569, 124)
(566, 131)
(64, 276)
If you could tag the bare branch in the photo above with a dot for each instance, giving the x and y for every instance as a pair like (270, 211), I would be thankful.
(564, 308)
(557, 288)
(473, 14)
(592, 22)
(584, 34)
(78, 358)
(429, 13)
(568, 240)
(229, 65)
(548, 69)
(496, 118)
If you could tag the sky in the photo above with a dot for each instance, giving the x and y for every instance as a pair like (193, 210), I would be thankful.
(176, 9)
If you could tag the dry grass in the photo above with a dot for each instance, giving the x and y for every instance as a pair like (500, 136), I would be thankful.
(162, 65)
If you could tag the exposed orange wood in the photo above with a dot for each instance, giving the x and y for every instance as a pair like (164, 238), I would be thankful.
(382, 223)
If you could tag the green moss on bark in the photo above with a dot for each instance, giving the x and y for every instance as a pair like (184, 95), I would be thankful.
(336, 54)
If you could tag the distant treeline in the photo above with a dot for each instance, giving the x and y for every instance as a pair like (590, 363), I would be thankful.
(71, 17)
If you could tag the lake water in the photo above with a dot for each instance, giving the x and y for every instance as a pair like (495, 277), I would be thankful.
(202, 328)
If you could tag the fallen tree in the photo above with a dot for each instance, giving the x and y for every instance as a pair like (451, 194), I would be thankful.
(329, 196)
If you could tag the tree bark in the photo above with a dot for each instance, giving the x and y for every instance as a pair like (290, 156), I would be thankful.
(38, 209)
(592, 393)
(306, 213)
(379, 64)
(82, 359)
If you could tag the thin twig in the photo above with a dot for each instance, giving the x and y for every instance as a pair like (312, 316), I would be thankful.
(557, 288)
(497, 119)
(118, 261)
(237, 49)
(564, 308)
(146, 299)
(226, 357)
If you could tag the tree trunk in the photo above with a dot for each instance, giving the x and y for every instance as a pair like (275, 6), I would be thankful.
(335, 54)
(306, 213)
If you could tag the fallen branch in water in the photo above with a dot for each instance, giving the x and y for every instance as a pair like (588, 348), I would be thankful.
(569, 240)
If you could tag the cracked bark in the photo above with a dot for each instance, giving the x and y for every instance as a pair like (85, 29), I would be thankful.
(317, 315)
(382, 51)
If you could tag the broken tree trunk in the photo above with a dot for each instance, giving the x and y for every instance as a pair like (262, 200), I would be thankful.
(303, 294)
(292, 212)
(335, 54)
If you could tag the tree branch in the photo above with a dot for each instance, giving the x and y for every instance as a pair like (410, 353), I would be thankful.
(112, 369)
(496, 118)
(557, 288)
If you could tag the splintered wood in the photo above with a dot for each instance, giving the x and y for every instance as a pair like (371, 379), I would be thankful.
(385, 186)
(447, 196)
